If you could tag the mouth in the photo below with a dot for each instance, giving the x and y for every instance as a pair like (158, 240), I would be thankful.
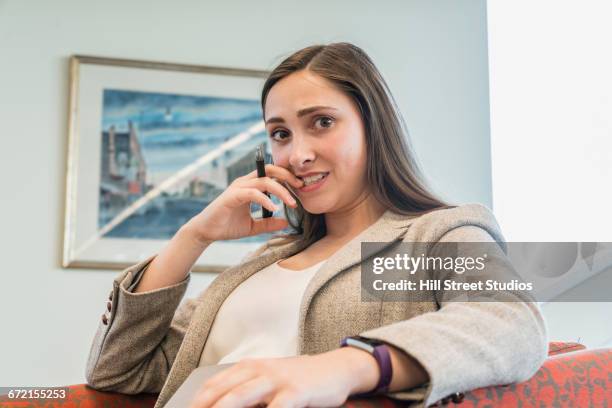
(313, 183)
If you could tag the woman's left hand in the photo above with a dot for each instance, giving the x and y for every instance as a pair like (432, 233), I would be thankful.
(321, 380)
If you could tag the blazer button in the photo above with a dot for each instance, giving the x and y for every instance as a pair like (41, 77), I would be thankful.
(458, 397)
(110, 295)
(109, 306)
(104, 319)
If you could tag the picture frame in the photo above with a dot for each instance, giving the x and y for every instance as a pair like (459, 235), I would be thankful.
(150, 144)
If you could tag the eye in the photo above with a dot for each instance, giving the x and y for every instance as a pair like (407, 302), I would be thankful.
(325, 121)
(277, 131)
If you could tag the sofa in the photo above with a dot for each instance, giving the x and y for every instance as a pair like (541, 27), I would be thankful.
(572, 376)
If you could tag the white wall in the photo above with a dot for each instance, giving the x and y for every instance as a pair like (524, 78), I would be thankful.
(433, 55)
(551, 135)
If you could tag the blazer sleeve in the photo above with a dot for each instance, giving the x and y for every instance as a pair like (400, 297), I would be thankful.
(134, 350)
(467, 345)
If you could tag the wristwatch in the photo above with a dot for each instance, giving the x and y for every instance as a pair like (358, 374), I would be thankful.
(380, 351)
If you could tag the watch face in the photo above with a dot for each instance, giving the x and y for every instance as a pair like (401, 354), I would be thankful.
(363, 343)
(371, 342)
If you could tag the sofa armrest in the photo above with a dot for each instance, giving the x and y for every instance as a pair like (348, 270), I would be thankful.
(576, 379)
(560, 347)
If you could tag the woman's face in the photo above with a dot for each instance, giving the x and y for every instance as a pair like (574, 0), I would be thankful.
(313, 127)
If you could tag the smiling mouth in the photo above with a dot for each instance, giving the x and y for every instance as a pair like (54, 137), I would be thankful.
(294, 192)
(319, 178)
(315, 184)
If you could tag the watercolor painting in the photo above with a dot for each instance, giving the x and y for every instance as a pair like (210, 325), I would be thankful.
(151, 144)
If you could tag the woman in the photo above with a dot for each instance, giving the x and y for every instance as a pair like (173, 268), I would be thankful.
(282, 313)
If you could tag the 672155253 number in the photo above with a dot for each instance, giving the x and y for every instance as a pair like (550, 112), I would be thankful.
(30, 393)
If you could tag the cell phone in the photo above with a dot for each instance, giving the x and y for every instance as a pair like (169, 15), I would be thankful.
(261, 172)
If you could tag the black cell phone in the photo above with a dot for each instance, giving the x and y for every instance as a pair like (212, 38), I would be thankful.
(261, 172)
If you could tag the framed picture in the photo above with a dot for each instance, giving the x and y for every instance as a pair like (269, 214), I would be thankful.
(151, 144)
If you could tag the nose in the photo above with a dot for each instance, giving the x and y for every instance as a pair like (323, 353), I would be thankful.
(301, 153)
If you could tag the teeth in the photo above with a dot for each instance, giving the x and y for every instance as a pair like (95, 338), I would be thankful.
(313, 179)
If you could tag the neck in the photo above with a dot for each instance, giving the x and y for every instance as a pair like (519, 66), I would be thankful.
(347, 223)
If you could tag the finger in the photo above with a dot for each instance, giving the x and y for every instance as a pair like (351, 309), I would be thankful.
(286, 399)
(248, 393)
(274, 187)
(215, 387)
(254, 195)
(263, 225)
(293, 193)
(278, 172)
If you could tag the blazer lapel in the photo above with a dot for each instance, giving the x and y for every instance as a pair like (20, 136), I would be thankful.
(389, 227)
(386, 230)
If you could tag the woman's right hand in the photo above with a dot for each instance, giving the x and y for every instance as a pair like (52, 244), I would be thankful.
(229, 215)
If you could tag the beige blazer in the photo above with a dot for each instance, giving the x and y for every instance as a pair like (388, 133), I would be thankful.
(148, 345)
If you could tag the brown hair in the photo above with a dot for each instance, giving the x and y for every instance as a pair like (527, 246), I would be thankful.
(392, 170)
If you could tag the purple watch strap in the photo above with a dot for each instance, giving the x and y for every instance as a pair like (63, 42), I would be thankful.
(383, 358)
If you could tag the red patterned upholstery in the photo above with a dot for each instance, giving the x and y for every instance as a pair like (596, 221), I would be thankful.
(577, 379)
(571, 377)
(560, 347)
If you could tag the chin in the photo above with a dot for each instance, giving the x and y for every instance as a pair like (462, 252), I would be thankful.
(316, 209)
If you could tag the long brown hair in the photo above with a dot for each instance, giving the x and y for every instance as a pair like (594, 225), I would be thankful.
(393, 173)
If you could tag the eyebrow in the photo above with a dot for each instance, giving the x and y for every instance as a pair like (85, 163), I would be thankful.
(300, 113)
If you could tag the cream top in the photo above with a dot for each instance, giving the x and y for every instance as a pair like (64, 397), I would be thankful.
(260, 317)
